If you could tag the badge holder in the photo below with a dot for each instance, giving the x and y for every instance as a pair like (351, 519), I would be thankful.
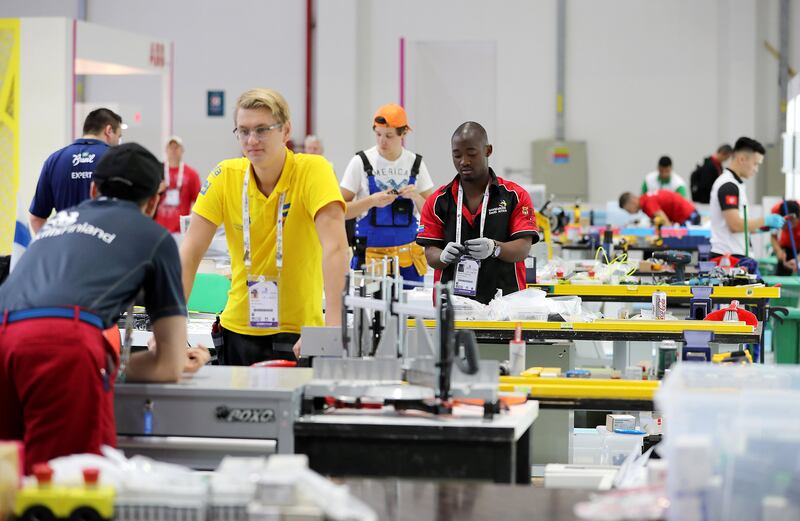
(262, 296)
(173, 197)
(465, 280)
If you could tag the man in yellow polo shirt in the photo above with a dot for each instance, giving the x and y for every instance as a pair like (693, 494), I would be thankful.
(280, 260)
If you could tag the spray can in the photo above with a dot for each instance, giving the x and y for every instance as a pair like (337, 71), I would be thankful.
(660, 305)
(516, 353)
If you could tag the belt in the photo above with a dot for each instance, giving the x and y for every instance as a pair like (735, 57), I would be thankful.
(26, 314)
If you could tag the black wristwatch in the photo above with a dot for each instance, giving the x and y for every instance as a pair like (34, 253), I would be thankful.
(496, 252)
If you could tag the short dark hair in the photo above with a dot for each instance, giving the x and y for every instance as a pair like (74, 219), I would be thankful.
(624, 198)
(664, 161)
(746, 144)
(380, 120)
(725, 149)
(97, 120)
(129, 172)
(472, 127)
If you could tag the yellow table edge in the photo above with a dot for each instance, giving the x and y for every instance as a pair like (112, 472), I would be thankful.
(629, 326)
(621, 290)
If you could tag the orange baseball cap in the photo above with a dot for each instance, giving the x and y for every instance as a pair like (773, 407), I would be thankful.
(394, 115)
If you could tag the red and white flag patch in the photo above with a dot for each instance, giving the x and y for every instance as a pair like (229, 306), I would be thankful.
(732, 200)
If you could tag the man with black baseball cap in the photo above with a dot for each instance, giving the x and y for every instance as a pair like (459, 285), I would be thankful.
(83, 269)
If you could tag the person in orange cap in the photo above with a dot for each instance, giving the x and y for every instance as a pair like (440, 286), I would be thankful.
(385, 188)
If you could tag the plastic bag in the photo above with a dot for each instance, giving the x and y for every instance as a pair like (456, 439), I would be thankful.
(468, 309)
(528, 304)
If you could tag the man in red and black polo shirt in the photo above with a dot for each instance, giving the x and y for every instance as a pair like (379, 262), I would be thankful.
(478, 229)
(782, 244)
(672, 207)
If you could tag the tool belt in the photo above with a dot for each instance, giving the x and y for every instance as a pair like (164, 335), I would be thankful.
(411, 254)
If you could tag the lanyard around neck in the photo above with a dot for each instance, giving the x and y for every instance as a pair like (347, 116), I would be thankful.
(246, 225)
(180, 176)
(461, 204)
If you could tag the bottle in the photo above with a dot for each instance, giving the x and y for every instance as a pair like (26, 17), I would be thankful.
(516, 353)
(608, 242)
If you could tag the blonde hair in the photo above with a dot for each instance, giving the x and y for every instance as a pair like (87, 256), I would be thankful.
(268, 99)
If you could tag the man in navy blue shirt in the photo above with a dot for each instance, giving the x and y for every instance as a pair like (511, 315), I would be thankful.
(67, 173)
(83, 269)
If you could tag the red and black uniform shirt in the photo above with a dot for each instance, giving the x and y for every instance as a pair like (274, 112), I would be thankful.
(794, 209)
(677, 208)
(510, 216)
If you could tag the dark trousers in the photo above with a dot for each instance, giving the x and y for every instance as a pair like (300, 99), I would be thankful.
(782, 270)
(238, 349)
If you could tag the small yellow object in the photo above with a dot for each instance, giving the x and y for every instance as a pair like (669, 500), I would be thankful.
(725, 358)
(546, 372)
(63, 501)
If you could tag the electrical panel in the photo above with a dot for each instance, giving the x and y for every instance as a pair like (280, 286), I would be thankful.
(563, 167)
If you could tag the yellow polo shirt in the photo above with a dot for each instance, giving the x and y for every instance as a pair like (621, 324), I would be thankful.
(310, 184)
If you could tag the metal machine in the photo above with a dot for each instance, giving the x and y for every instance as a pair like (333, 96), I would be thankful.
(380, 362)
(218, 411)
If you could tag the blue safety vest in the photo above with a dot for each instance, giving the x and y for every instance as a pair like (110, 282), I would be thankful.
(394, 224)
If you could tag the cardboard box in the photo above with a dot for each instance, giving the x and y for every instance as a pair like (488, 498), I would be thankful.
(620, 422)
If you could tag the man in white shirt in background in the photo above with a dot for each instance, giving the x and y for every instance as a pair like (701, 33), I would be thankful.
(729, 206)
(664, 178)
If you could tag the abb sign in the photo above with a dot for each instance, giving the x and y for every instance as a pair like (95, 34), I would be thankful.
(157, 54)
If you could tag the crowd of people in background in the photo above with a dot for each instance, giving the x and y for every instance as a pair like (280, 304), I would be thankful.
(718, 184)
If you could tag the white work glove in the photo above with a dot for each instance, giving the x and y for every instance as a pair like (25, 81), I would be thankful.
(479, 248)
(774, 221)
(451, 253)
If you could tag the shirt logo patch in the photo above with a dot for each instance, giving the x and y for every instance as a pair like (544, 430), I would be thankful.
(82, 158)
(524, 210)
(67, 223)
(732, 200)
(500, 208)
(63, 218)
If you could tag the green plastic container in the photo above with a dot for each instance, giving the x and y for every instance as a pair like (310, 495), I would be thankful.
(790, 290)
(209, 293)
(786, 338)
(768, 265)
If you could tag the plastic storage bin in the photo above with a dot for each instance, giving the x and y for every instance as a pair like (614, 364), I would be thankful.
(786, 338)
(617, 447)
(587, 447)
(731, 436)
(790, 290)
(768, 265)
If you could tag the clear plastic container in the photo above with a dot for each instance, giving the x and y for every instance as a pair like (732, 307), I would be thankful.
(617, 447)
(587, 447)
(732, 436)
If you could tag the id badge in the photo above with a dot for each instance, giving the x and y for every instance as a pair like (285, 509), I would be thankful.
(466, 279)
(262, 295)
(173, 197)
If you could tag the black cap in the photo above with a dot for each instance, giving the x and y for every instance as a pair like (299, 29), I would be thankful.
(129, 172)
